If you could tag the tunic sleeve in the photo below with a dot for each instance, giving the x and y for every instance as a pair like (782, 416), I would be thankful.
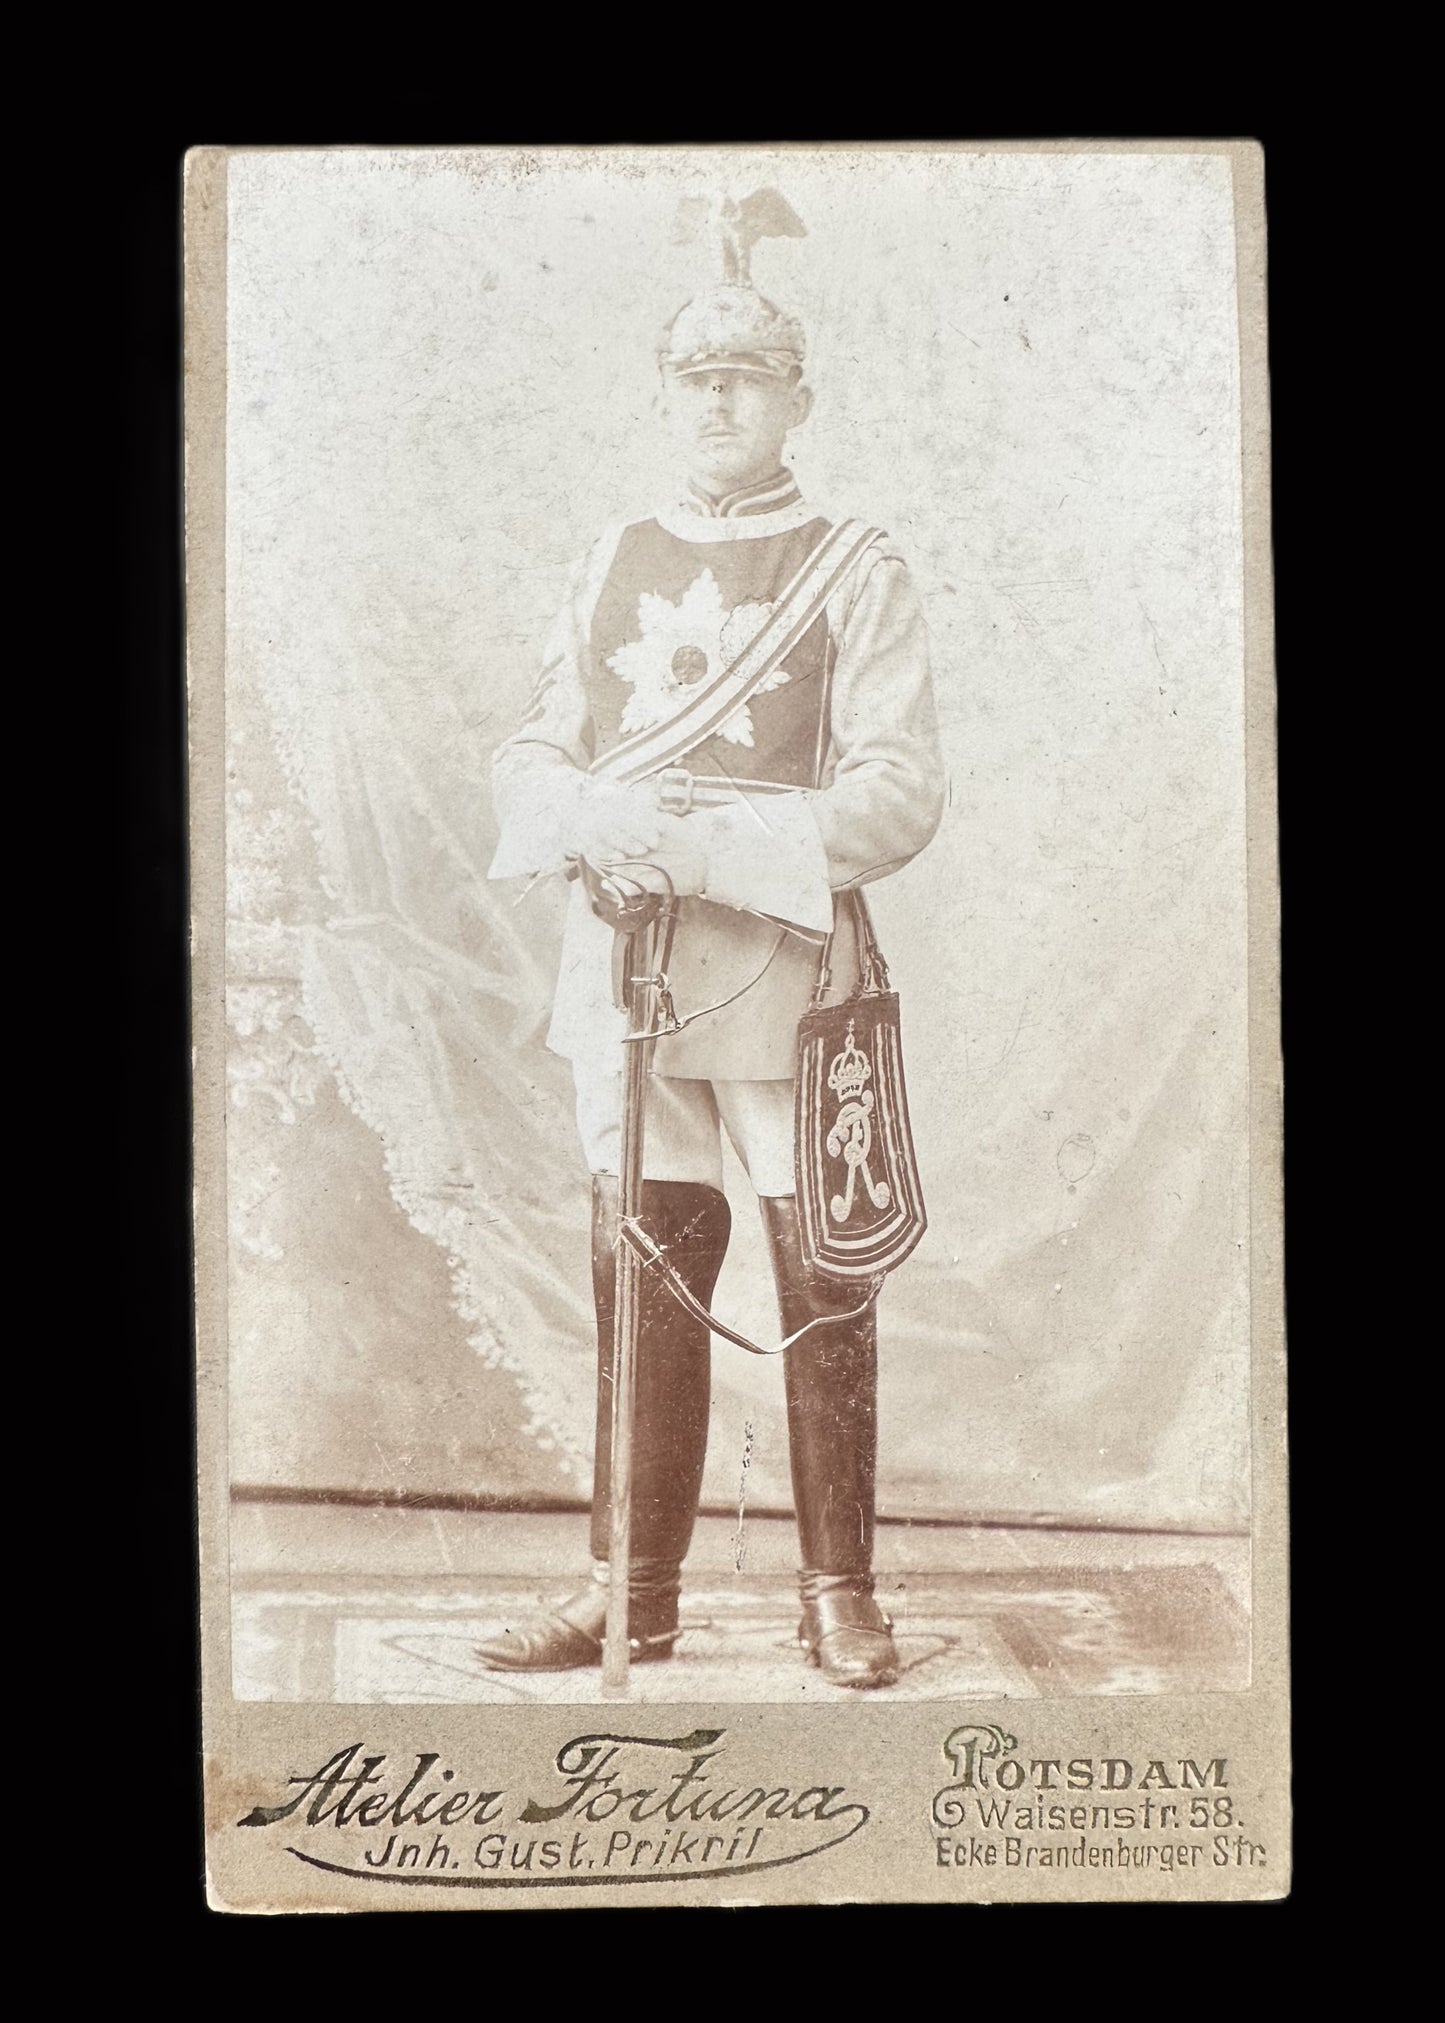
(539, 774)
(882, 798)
(883, 795)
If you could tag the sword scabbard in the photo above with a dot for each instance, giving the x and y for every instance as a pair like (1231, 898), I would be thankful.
(639, 965)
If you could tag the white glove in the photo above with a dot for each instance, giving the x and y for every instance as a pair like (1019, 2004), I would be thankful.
(676, 861)
(610, 823)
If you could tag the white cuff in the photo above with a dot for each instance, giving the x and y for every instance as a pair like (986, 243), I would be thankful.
(766, 853)
(537, 817)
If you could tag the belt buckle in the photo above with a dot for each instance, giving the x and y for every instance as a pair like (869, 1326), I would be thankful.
(674, 791)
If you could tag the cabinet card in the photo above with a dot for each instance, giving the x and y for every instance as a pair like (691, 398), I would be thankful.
(737, 1086)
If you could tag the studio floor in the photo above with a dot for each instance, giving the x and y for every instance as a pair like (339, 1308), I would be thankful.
(362, 1606)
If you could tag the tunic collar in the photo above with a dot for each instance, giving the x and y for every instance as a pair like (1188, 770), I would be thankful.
(687, 522)
(768, 495)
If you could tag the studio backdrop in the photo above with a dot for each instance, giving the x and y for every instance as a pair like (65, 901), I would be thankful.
(441, 388)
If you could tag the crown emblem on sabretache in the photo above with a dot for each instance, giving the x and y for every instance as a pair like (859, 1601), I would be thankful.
(850, 1070)
(730, 322)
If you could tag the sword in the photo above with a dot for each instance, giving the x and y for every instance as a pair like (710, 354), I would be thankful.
(643, 922)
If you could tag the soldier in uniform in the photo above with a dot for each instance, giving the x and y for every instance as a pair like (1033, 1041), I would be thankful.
(827, 777)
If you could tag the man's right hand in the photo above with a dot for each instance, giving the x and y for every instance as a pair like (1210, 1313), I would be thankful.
(613, 824)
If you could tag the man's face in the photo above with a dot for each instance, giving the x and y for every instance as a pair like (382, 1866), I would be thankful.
(730, 427)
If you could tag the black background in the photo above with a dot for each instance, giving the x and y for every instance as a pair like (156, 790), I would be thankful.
(157, 1645)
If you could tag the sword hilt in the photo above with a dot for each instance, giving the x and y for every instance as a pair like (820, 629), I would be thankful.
(624, 903)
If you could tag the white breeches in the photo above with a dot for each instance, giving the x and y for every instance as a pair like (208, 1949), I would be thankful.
(682, 1140)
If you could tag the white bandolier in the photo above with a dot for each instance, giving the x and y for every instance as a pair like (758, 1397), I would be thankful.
(736, 694)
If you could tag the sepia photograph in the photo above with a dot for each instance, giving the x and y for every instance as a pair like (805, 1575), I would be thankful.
(675, 620)
(732, 847)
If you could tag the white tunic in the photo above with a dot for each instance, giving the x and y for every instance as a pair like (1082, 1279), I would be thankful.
(775, 861)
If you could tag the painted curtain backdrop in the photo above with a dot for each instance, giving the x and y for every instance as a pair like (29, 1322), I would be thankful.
(440, 390)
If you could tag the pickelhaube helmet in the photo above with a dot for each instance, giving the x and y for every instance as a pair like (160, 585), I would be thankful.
(731, 324)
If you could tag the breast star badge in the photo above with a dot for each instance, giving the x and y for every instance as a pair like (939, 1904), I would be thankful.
(683, 645)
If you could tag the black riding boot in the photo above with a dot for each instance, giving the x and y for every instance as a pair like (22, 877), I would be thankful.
(690, 1223)
(831, 1377)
